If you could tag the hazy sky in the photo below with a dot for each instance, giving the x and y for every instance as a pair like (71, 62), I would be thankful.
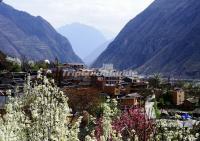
(107, 15)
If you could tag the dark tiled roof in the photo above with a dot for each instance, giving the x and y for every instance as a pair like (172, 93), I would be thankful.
(131, 96)
(193, 100)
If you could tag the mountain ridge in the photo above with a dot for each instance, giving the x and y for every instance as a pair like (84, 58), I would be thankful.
(159, 40)
(84, 38)
(22, 35)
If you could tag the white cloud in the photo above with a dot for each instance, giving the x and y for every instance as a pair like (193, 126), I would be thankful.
(107, 15)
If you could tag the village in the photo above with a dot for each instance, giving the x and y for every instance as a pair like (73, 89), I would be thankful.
(157, 103)
(86, 87)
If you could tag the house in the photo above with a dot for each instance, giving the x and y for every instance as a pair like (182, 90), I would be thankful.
(113, 91)
(124, 88)
(110, 76)
(112, 80)
(133, 99)
(131, 79)
(178, 96)
(98, 81)
(75, 66)
(138, 86)
(76, 74)
(190, 103)
(102, 80)
(196, 112)
(108, 67)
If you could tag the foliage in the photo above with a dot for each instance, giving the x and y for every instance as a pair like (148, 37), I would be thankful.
(35, 66)
(155, 81)
(157, 111)
(15, 68)
(164, 100)
(6, 65)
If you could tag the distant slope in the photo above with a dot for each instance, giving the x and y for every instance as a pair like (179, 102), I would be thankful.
(165, 38)
(95, 54)
(24, 35)
(84, 38)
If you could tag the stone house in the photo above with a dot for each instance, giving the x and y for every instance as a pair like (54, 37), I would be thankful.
(178, 96)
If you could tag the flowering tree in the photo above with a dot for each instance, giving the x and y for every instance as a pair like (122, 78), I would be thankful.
(11, 126)
(41, 113)
(49, 113)
(104, 130)
(171, 130)
(131, 124)
(134, 124)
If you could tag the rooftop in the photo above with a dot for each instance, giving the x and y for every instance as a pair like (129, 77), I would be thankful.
(131, 96)
(193, 100)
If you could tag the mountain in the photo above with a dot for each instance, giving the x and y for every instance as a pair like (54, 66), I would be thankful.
(95, 54)
(164, 38)
(84, 38)
(23, 35)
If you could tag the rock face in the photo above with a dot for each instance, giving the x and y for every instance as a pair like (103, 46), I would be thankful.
(83, 38)
(164, 38)
(23, 35)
